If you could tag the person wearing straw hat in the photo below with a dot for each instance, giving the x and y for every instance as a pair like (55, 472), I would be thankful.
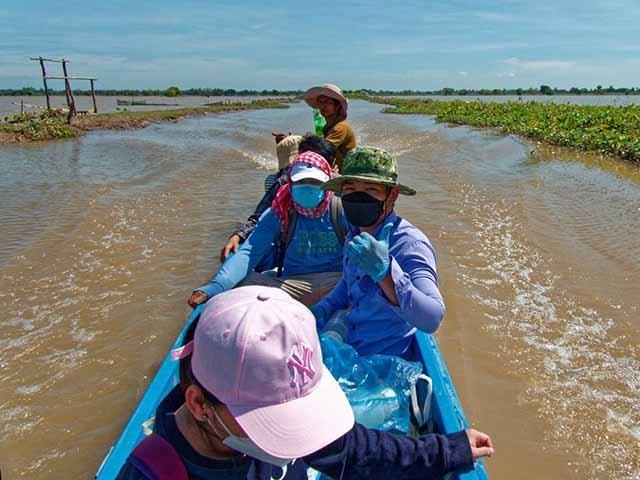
(254, 396)
(333, 106)
(389, 278)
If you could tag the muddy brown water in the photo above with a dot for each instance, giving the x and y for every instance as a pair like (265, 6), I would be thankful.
(103, 238)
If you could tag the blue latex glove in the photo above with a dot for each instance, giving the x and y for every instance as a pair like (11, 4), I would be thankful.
(371, 255)
(321, 316)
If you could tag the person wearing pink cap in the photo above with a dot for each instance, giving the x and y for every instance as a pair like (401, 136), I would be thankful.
(256, 402)
(304, 224)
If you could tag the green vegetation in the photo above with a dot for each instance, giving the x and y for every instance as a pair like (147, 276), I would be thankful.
(43, 126)
(172, 92)
(542, 90)
(606, 129)
(52, 124)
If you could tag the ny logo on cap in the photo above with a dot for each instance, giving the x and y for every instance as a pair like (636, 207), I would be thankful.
(299, 363)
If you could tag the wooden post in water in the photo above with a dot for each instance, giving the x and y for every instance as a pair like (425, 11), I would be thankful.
(44, 79)
(66, 83)
(93, 95)
(67, 87)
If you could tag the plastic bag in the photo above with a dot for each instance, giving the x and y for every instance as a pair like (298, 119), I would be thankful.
(377, 386)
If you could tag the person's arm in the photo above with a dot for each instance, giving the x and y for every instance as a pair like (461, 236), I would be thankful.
(240, 236)
(368, 454)
(236, 268)
(415, 284)
(264, 203)
(408, 281)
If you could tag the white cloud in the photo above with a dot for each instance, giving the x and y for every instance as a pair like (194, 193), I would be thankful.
(463, 74)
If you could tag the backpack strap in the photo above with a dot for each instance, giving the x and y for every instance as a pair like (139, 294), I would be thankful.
(284, 239)
(336, 217)
(157, 459)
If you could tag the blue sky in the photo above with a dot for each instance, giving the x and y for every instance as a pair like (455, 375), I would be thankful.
(355, 44)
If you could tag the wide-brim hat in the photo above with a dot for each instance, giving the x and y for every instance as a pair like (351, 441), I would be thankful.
(369, 164)
(257, 351)
(328, 90)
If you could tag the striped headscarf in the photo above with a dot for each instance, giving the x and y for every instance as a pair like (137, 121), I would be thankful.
(283, 203)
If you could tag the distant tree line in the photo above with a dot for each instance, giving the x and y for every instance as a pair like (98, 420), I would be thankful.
(174, 91)
(151, 92)
(542, 90)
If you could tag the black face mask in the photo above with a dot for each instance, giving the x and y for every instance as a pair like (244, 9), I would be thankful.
(361, 209)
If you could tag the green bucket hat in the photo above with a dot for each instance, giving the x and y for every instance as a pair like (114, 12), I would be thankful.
(369, 164)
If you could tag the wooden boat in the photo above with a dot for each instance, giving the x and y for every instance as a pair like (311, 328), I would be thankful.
(446, 414)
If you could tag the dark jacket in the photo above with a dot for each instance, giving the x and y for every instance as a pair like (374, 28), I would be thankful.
(359, 454)
(245, 230)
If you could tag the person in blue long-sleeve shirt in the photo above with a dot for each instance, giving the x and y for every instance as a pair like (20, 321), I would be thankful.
(285, 149)
(255, 402)
(310, 262)
(389, 280)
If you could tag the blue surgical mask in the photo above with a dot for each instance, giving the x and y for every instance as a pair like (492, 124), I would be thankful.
(307, 196)
(248, 447)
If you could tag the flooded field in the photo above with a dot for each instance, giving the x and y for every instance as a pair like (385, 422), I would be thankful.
(105, 104)
(538, 253)
(11, 105)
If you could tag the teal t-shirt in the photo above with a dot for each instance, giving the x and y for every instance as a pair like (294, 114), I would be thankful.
(314, 248)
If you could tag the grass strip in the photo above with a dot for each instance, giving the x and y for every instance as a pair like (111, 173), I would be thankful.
(605, 129)
(52, 124)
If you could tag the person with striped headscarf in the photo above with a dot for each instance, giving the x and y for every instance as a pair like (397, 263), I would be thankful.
(309, 262)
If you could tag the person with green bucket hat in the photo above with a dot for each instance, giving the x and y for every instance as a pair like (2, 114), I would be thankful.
(389, 280)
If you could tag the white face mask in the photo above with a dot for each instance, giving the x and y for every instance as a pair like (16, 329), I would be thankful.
(248, 447)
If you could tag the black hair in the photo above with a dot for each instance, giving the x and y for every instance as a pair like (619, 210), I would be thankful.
(187, 378)
(316, 144)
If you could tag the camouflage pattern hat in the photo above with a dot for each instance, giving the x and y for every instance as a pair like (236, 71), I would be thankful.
(369, 164)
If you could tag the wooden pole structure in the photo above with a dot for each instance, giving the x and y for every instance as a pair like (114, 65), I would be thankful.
(71, 102)
(44, 79)
(67, 87)
(93, 95)
(67, 84)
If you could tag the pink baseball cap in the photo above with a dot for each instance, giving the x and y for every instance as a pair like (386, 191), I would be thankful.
(257, 351)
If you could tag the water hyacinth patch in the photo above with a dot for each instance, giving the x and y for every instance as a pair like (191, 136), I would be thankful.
(606, 129)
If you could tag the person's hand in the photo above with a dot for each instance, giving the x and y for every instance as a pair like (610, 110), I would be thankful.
(480, 442)
(279, 136)
(371, 255)
(231, 246)
(197, 298)
(318, 312)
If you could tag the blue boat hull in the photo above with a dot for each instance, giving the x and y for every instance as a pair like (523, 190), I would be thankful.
(446, 411)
